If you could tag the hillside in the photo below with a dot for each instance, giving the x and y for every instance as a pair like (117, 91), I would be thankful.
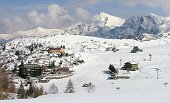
(142, 85)
(81, 43)
(37, 32)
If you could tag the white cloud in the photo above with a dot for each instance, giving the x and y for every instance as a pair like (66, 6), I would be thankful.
(164, 4)
(55, 10)
(54, 16)
(82, 14)
(35, 17)
(84, 2)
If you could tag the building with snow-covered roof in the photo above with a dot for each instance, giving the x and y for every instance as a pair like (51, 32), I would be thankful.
(55, 50)
(131, 66)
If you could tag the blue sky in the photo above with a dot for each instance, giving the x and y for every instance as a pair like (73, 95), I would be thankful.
(26, 14)
(113, 7)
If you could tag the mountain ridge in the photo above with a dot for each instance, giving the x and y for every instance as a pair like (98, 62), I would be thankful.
(105, 26)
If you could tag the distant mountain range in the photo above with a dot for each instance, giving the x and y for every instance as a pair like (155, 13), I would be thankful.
(37, 32)
(105, 26)
(136, 26)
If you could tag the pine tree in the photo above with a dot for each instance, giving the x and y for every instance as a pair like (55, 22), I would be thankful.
(22, 70)
(69, 88)
(53, 89)
(49, 64)
(53, 64)
(112, 68)
(4, 47)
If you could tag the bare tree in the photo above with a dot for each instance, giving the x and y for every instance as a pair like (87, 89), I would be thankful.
(21, 92)
(69, 88)
(53, 89)
(6, 86)
(38, 91)
(91, 88)
(12, 88)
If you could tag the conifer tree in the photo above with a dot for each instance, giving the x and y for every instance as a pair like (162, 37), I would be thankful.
(69, 88)
(22, 70)
(53, 89)
(112, 68)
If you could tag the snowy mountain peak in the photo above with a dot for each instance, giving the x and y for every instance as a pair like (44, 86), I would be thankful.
(109, 20)
(151, 14)
(39, 28)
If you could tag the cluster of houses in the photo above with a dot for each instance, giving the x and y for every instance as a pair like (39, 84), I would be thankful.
(44, 72)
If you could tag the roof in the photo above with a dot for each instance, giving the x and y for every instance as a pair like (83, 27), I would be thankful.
(63, 68)
(55, 48)
(132, 62)
(33, 78)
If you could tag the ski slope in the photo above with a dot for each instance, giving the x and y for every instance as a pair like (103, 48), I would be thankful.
(142, 87)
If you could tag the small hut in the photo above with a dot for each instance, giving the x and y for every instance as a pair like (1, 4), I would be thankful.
(136, 49)
(131, 66)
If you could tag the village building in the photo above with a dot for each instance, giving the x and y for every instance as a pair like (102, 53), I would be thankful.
(59, 73)
(131, 66)
(34, 69)
(114, 49)
(63, 70)
(56, 50)
(136, 49)
(20, 52)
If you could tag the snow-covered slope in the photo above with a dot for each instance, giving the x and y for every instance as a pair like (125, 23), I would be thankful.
(38, 32)
(142, 87)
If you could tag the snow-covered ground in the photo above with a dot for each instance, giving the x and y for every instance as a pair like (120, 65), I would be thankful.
(142, 87)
